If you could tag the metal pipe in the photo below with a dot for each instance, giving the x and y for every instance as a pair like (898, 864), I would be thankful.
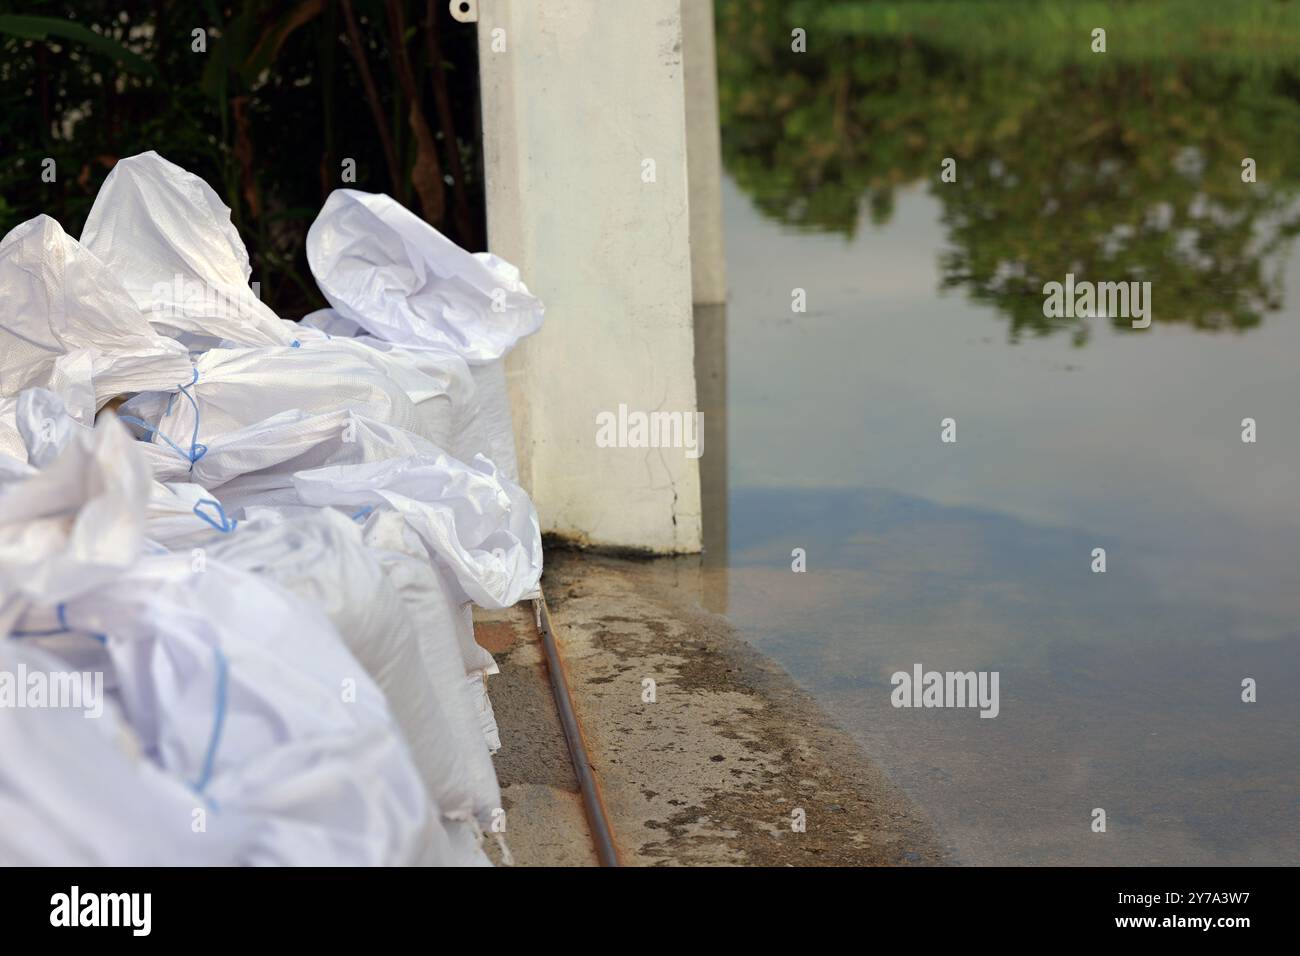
(597, 820)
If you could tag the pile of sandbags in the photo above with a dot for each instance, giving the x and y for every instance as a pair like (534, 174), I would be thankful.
(261, 539)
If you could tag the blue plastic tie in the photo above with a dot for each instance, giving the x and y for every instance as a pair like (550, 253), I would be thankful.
(225, 525)
(50, 633)
(197, 448)
(63, 628)
(218, 721)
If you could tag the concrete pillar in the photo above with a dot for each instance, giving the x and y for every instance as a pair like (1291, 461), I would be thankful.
(703, 153)
(585, 163)
(708, 288)
(711, 388)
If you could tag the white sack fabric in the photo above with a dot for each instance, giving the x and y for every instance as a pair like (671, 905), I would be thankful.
(231, 389)
(248, 694)
(481, 527)
(320, 556)
(57, 299)
(168, 238)
(492, 434)
(484, 425)
(101, 803)
(229, 683)
(446, 624)
(74, 526)
(260, 459)
(392, 273)
(470, 520)
(264, 539)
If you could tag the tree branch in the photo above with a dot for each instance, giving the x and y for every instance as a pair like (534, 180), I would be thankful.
(358, 51)
(426, 173)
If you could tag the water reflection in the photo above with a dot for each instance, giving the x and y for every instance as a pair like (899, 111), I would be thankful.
(1111, 169)
(1115, 692)
(1119, 690)
(711, 398)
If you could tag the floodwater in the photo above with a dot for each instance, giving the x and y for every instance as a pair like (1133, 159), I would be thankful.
(1122, 690)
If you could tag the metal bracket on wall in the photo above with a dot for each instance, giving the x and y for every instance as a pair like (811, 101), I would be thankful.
(466, 11)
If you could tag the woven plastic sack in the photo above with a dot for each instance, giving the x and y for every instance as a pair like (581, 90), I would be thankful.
(168, 238)
(58, 301)
(392, 273)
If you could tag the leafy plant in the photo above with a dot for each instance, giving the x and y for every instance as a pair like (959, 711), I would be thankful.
(265, 103)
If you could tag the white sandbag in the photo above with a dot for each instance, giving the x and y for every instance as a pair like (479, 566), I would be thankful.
(388, 270)
(248, 694)
(469, 530)
(57, 298)
(482, 422)
(255, 465)
(447, 628)
(476, 416)
(321, 557)
(80, 792)
(182, 515)
(168, 237)
(477, 532)
(497, 552)
(71, 382)
(438, 383)
(487, 718)
(232, 389)
(77, 791)
(260, 712)
(73, 526)
(493, 433)
(282, 696)
(34, 427)
(230, 683)
(484, 429)
(177, 514)
(431, 597)
(479, 525)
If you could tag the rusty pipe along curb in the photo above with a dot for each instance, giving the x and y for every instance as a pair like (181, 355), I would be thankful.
(602, 835)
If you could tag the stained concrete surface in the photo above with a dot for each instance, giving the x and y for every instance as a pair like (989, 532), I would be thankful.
(712, 771)
(545, 822)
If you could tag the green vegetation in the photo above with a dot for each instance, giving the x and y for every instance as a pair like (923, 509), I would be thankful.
(1056, 32)
(283, 93)
(1114, 167)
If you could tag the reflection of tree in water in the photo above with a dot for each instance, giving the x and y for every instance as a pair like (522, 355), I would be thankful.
(1113, 172)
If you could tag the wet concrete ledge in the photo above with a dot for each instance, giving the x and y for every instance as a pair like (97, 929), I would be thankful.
(709, 773)
(545, 822)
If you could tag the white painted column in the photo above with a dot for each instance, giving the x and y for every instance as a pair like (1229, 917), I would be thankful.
(704, 153)
(581, 98)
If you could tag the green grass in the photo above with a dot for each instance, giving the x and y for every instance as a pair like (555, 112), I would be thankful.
(1055, 32)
